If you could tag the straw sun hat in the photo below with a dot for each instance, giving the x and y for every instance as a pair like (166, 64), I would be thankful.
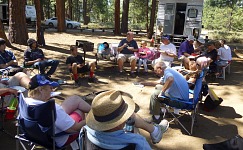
(110, 109)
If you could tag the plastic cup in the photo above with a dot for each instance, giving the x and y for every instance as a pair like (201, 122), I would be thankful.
(10, 113)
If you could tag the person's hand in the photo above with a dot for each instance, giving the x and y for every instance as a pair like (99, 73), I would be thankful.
(80, 65)
(125, 45)
(38, 60)
(130, 48)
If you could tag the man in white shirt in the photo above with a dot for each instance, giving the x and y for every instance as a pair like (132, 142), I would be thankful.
(167, 51)
(227, 53)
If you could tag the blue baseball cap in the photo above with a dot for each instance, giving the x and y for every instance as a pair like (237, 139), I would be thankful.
(40, 80)
(165, 37)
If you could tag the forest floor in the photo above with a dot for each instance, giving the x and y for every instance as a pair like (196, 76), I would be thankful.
(220, 124)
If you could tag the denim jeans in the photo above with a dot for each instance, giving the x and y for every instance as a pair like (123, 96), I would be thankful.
(45, 63)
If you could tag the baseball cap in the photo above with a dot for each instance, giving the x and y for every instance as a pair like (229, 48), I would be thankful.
(165, 37)
(40, 80)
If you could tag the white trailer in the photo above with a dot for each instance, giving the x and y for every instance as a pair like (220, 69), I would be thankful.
(30, 13)
(179, 17)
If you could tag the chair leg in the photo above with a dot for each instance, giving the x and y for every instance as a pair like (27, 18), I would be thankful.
(223, 72)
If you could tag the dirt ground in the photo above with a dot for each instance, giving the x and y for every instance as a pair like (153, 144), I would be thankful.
(220, 124)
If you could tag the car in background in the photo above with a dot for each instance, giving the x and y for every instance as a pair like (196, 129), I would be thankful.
(52, 23)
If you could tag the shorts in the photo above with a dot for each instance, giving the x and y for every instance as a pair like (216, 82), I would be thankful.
(85, 68)
(12, 70)
(73, 137)
(126, 57)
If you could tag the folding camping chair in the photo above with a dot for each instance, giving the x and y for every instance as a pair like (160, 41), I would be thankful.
(37, 125)
(86, 144)
(189, 107)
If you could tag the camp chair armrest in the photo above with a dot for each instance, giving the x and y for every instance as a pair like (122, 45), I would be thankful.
(175, 99)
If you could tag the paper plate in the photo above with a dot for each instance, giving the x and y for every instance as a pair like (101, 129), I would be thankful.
(18, 88)
(53, 94)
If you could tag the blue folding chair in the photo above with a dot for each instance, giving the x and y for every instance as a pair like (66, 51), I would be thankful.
(36, 124)
(188, 107)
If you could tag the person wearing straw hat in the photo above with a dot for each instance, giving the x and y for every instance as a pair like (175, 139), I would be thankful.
(185, 50)
(70, 115)
(106, 120)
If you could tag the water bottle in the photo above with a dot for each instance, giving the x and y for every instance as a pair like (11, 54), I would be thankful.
(129, 126)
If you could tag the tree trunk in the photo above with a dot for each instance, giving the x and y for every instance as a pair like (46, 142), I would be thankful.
(3, 35)
(61, 22)
(17, 22)
(41, 10)
(117, 30)
(85, 17)
(48, 9)
(152, 18)
(70, 10)
(39, 29)
(124, 25)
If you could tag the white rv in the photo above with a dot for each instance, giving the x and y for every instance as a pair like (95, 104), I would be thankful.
(30, 13)
(180, 17)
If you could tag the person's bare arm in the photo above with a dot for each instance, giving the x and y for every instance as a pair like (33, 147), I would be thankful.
(119, 49)
(167, 85)
(33, 61)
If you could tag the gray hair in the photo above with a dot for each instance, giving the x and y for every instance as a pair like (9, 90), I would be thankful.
(160, 64)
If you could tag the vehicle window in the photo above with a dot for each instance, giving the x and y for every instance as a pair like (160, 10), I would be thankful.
(192, 13)
(54, 19)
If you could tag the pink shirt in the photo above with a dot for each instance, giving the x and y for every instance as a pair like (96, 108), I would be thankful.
(143, 50)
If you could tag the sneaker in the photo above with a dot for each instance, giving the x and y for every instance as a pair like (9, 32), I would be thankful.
(163, 127)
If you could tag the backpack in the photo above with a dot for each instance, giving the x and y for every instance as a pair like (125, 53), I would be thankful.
(210, 104)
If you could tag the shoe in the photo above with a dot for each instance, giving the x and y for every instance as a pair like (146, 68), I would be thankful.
(163, 127)
(93, 80)
(132, 74)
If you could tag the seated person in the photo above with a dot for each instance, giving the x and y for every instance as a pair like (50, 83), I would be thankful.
(142, 57)
(8, 61)
(35, 57)
(104, 51)
(126, 49)
(19, 79)
(212, 54)
(167, 51)
(76, 65)
(198, 46)
(185, 50)
(70, 115)
(107, 118)
(171, 84)
(224, 57)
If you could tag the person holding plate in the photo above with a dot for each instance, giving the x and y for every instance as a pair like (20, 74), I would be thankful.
(167, 51)
(142, 57)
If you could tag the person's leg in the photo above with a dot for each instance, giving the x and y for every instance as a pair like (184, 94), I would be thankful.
(75, 102)
(145, 65)
(120, 60)
(20, 79)
(133, 62)
(186, 63)
(156, 131)
(53, 64)
(139, 64)
(41, 66)
(92, 69)
(75, 71)
(154, 101)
